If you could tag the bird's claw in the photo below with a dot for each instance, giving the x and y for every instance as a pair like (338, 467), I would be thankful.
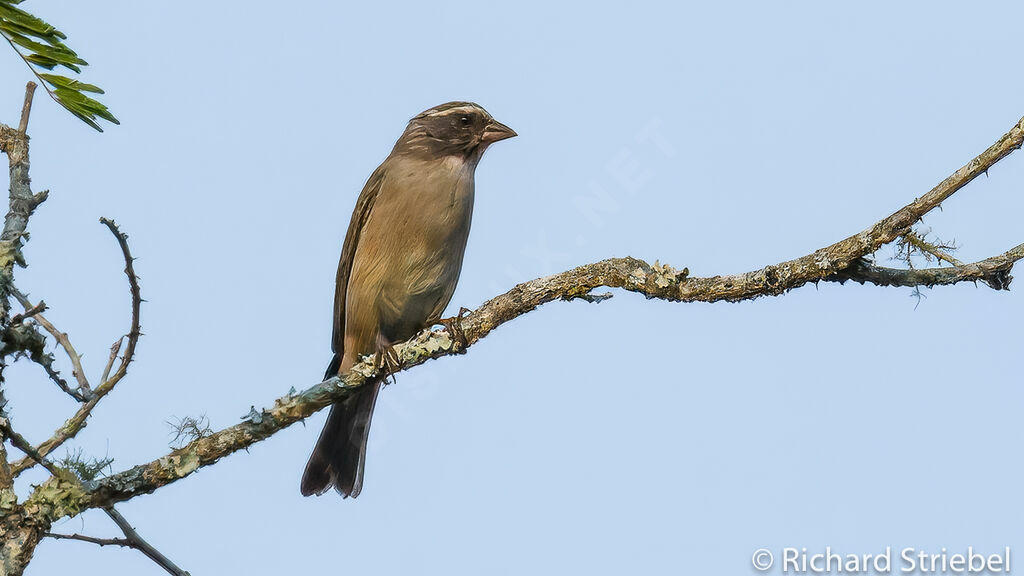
(387, 359)
(454, 327)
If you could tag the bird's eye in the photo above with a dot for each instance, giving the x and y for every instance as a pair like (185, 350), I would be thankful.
(464, 120)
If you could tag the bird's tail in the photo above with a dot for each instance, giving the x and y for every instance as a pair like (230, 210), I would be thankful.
(340, 453)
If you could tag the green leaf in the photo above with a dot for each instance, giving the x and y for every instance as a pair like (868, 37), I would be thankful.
(58, 52)
(15, 28)
(29, 22)
(106, 115)
(44, 62)
(76, 101)
(23, 30)
(65, 82)
(84, 117)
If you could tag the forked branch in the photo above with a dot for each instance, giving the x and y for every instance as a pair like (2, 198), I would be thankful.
(132, 540)
(74, 424)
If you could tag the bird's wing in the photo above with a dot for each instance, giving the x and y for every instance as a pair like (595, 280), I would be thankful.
(364, 204)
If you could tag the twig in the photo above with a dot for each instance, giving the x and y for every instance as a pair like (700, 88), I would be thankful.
(912, 240)
(995, 272)
(133, 286)
(90, 539)
(30, 312)
(114, 349)
(62, 338)
(26, 108)
(24, 338)
(21, 443)
(141, 545)
(132, 540)
(46, 361)
(74, 424)
(62, 383)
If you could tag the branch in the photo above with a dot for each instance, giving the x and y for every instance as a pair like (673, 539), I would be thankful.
(131, 540)
(84, 390)
(653, 281)
(14, 143)
(114, 349)
(90, 539)
(78, 421)
(137, 542)
(912, 241)
(995, 272)
(29, 312)
(134, 331)
(26, 108)
(22, 338)
(25, 446)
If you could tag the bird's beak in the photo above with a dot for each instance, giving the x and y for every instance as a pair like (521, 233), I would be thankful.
(495, 131)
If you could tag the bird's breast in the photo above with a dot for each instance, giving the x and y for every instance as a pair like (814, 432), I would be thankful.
(411, 248)
(434, 201)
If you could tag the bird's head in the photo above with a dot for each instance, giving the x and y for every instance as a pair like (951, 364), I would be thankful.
(452, 129)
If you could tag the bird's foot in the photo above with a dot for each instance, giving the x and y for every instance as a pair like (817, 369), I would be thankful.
(454, 327)
(387, 359)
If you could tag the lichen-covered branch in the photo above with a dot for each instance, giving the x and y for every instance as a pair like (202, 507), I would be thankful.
(14, 143)
(839, 262)
(20, 530)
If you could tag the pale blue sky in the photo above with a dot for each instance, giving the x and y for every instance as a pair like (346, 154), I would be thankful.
(634, 436)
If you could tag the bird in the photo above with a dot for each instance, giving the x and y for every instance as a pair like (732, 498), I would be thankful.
(399, 266)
